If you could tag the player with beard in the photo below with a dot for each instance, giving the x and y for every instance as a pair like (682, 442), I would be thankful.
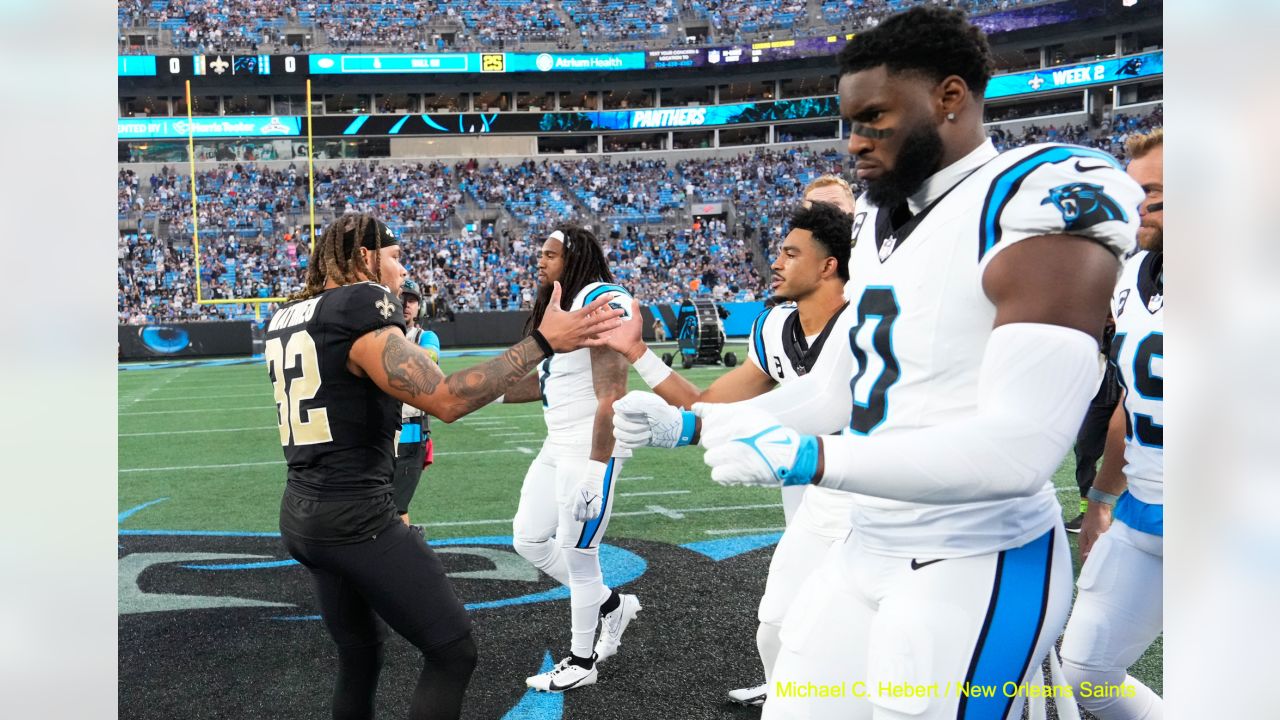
(341, 368)
(787, 341)
(979, 283)
(1119, 610)
(567, 496)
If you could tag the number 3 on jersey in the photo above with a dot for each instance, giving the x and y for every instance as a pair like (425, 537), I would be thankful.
(299, 353)
(877, 369)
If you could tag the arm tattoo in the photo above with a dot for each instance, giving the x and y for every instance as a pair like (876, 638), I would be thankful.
(409, 370)
(477, 386)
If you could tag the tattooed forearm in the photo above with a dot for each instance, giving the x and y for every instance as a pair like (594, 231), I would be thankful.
(477, 386)
(609, 379)
(408, 369)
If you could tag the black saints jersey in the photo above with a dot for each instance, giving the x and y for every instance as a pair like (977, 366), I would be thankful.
(337, 429)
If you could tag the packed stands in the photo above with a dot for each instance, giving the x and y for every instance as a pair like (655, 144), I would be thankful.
(398, 25)
(254, 232)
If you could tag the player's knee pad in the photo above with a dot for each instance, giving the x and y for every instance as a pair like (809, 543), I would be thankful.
(583, 563)
(1082, 679)
(458, 656)
(902, 652)
(539, 553)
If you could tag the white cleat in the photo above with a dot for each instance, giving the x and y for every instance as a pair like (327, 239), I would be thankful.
(564, 676)
(752, 696)
(614, 624)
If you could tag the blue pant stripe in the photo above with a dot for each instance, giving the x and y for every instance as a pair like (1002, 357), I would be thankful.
(1015, 617)
(590, 527)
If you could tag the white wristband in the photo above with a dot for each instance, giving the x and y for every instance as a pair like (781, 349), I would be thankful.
(651, 368)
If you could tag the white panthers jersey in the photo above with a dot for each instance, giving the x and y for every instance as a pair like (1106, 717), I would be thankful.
(1138, 353)
(568, 393)
(921, 319)
(774, 348)
(778, 347)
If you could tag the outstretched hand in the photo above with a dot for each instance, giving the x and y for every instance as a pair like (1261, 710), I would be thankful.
(627, 339)
(584, 327)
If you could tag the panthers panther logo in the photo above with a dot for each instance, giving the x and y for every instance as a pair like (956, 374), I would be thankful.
(1084, 205)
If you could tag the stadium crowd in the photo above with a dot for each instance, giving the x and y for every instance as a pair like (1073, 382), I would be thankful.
(254, 235)
(204, 26)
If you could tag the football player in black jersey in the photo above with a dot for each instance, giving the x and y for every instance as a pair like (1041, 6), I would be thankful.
(341, 367)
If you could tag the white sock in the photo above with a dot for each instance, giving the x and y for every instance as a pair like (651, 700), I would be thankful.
(586, 592)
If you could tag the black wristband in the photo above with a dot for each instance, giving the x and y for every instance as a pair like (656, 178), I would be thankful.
(538, 337)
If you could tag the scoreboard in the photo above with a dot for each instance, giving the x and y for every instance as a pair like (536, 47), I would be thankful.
(182, 67)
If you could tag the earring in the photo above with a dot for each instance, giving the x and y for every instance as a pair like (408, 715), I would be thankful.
(951, 116)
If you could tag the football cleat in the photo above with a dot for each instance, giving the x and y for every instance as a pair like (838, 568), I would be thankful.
(751, 696)
(614, 624)
(564, 676)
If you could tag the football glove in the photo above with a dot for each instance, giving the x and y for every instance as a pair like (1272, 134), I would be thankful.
(587, 497)
(750, 447)
(643, 419)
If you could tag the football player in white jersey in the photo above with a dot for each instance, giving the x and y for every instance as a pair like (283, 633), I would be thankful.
(1119, 610)
(567, 496)
(787, 341)
(980, 283)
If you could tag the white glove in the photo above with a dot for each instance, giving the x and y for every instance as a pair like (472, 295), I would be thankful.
(643, 419)
(750, 447)
(588, 496)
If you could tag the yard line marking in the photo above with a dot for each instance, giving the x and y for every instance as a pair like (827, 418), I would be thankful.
(281, 462)
(525, 450)
(264, 393)
(504, 521)
(736, 531)
(487, 422)
(201, 467)
(157, 386)
(511, 434)
(192, 432)
(500, 417)
(201, 410)
(722, 508)
(655, 492)
(638, 477)
(514, 442)
(658, 509)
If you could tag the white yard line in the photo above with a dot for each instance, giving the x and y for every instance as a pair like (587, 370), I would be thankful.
(664, 511)
(202, 410)
(512, 434)
(526, 451)
(197, 432)
(743, 531)
(655, 492)
(659, 510)
(281, 462)
(264, 393)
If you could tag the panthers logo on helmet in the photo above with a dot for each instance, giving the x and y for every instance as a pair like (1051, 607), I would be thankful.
(1084, 205)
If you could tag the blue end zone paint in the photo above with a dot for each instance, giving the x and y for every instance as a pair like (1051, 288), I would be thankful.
(190, 363)
(726, 548)
(245, 566)
(538, 705)
(122, 516)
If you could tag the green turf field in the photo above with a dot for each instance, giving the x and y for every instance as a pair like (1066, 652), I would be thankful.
(202, 444)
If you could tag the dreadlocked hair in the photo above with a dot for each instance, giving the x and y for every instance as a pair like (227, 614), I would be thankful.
(584, 263)
(332, 260)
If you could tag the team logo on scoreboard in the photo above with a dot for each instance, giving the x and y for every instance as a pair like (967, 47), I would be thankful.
(544, 62)
(494, 62)
(219, 65)
(1035, 82)
(713, 56)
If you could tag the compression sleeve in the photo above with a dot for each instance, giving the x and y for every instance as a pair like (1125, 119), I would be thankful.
(1035, 384)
